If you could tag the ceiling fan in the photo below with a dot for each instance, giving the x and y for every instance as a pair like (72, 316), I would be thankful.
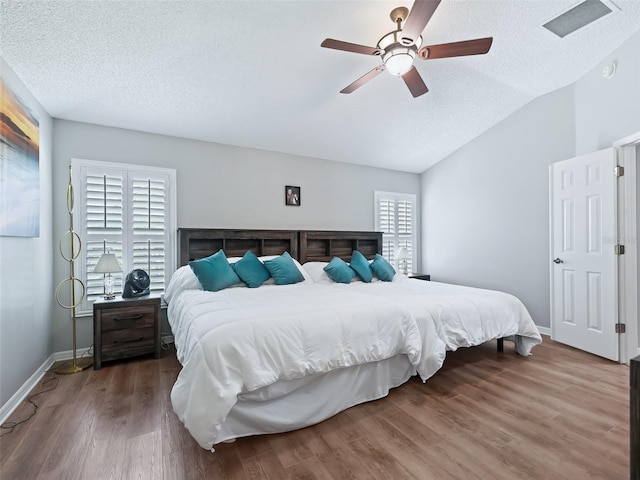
(399, 48)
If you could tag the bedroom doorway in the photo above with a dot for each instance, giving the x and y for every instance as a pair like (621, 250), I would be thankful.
(584, 268)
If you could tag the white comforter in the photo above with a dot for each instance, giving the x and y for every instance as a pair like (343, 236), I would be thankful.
(239, 340)
(463, 316)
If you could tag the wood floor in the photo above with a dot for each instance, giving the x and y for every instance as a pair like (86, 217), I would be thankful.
(559, 414)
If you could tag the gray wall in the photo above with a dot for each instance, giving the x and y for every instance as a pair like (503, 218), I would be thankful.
(485, 207)
(26, 285)
(221, 186)
(608, 110)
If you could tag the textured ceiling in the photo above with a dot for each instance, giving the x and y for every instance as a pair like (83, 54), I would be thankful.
(253, 74)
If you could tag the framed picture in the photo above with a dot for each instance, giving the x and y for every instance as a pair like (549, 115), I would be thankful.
(19, 167)
(292, 195)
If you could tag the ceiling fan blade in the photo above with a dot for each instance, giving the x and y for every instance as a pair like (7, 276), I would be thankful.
(350, 47)
(418, 18)
(415, 83)
(478, 46)
(363, 79)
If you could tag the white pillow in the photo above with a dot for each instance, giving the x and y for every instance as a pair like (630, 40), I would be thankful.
(316, 272)
(182, 279)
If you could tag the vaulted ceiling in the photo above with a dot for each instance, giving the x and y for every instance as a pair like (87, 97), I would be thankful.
(253, 74)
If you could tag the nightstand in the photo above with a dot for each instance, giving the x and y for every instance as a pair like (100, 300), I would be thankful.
(125, 327)
(420, 276)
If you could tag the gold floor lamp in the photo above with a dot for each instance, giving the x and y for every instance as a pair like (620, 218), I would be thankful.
(76, 365)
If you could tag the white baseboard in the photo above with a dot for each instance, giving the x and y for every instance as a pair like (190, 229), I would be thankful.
(23, 392)
(8, 408)
(544, 330)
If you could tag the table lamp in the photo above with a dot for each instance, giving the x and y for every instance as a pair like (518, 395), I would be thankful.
(403, 255)
(108, 264)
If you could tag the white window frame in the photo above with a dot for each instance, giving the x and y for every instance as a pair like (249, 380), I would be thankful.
(79, 167)
(395, 196)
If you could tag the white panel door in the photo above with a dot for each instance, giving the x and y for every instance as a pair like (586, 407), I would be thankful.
(584, 271)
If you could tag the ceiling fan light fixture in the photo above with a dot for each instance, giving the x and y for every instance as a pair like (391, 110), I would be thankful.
(399, 60)
(397, 57)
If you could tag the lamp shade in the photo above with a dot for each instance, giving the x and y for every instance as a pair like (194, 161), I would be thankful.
(402, 254)
(108, 263)
(399, 60)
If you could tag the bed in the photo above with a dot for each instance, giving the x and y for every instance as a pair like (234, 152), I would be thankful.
(252, 358)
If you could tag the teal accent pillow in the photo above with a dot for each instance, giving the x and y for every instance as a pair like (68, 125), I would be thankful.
(361, 266)
(214, 273)
(251, 270)
(339, 271)
(382, 269)
(283, 270)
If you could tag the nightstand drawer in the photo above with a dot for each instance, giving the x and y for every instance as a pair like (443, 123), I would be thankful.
(116, 347)
(117, 338)
(128, 317)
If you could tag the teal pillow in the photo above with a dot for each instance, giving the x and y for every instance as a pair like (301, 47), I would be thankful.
(214, 273)
(383, 269)
(361, 266)
(251, 270)
(339, 271)
(283, 270)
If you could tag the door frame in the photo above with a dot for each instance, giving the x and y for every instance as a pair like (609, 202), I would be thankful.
(626, 157)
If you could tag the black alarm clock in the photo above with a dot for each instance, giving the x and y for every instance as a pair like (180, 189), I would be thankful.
(136, 284)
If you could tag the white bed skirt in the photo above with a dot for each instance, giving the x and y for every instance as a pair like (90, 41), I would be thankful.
(291, 404)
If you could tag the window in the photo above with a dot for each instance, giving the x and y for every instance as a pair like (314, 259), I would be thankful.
(128, 210)
(396, 219)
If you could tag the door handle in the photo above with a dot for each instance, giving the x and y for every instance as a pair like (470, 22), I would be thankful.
(558, 260)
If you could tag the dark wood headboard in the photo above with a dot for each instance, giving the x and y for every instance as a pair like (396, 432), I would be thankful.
(322, 246)
(195, 243)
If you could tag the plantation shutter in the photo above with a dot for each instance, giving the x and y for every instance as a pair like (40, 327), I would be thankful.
(404, 209)
(127, 210)
(396, 218)
(103, 227)
(387, 225)
(149, 228)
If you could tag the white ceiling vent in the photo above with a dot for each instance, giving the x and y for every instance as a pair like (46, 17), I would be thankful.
(583, 14)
